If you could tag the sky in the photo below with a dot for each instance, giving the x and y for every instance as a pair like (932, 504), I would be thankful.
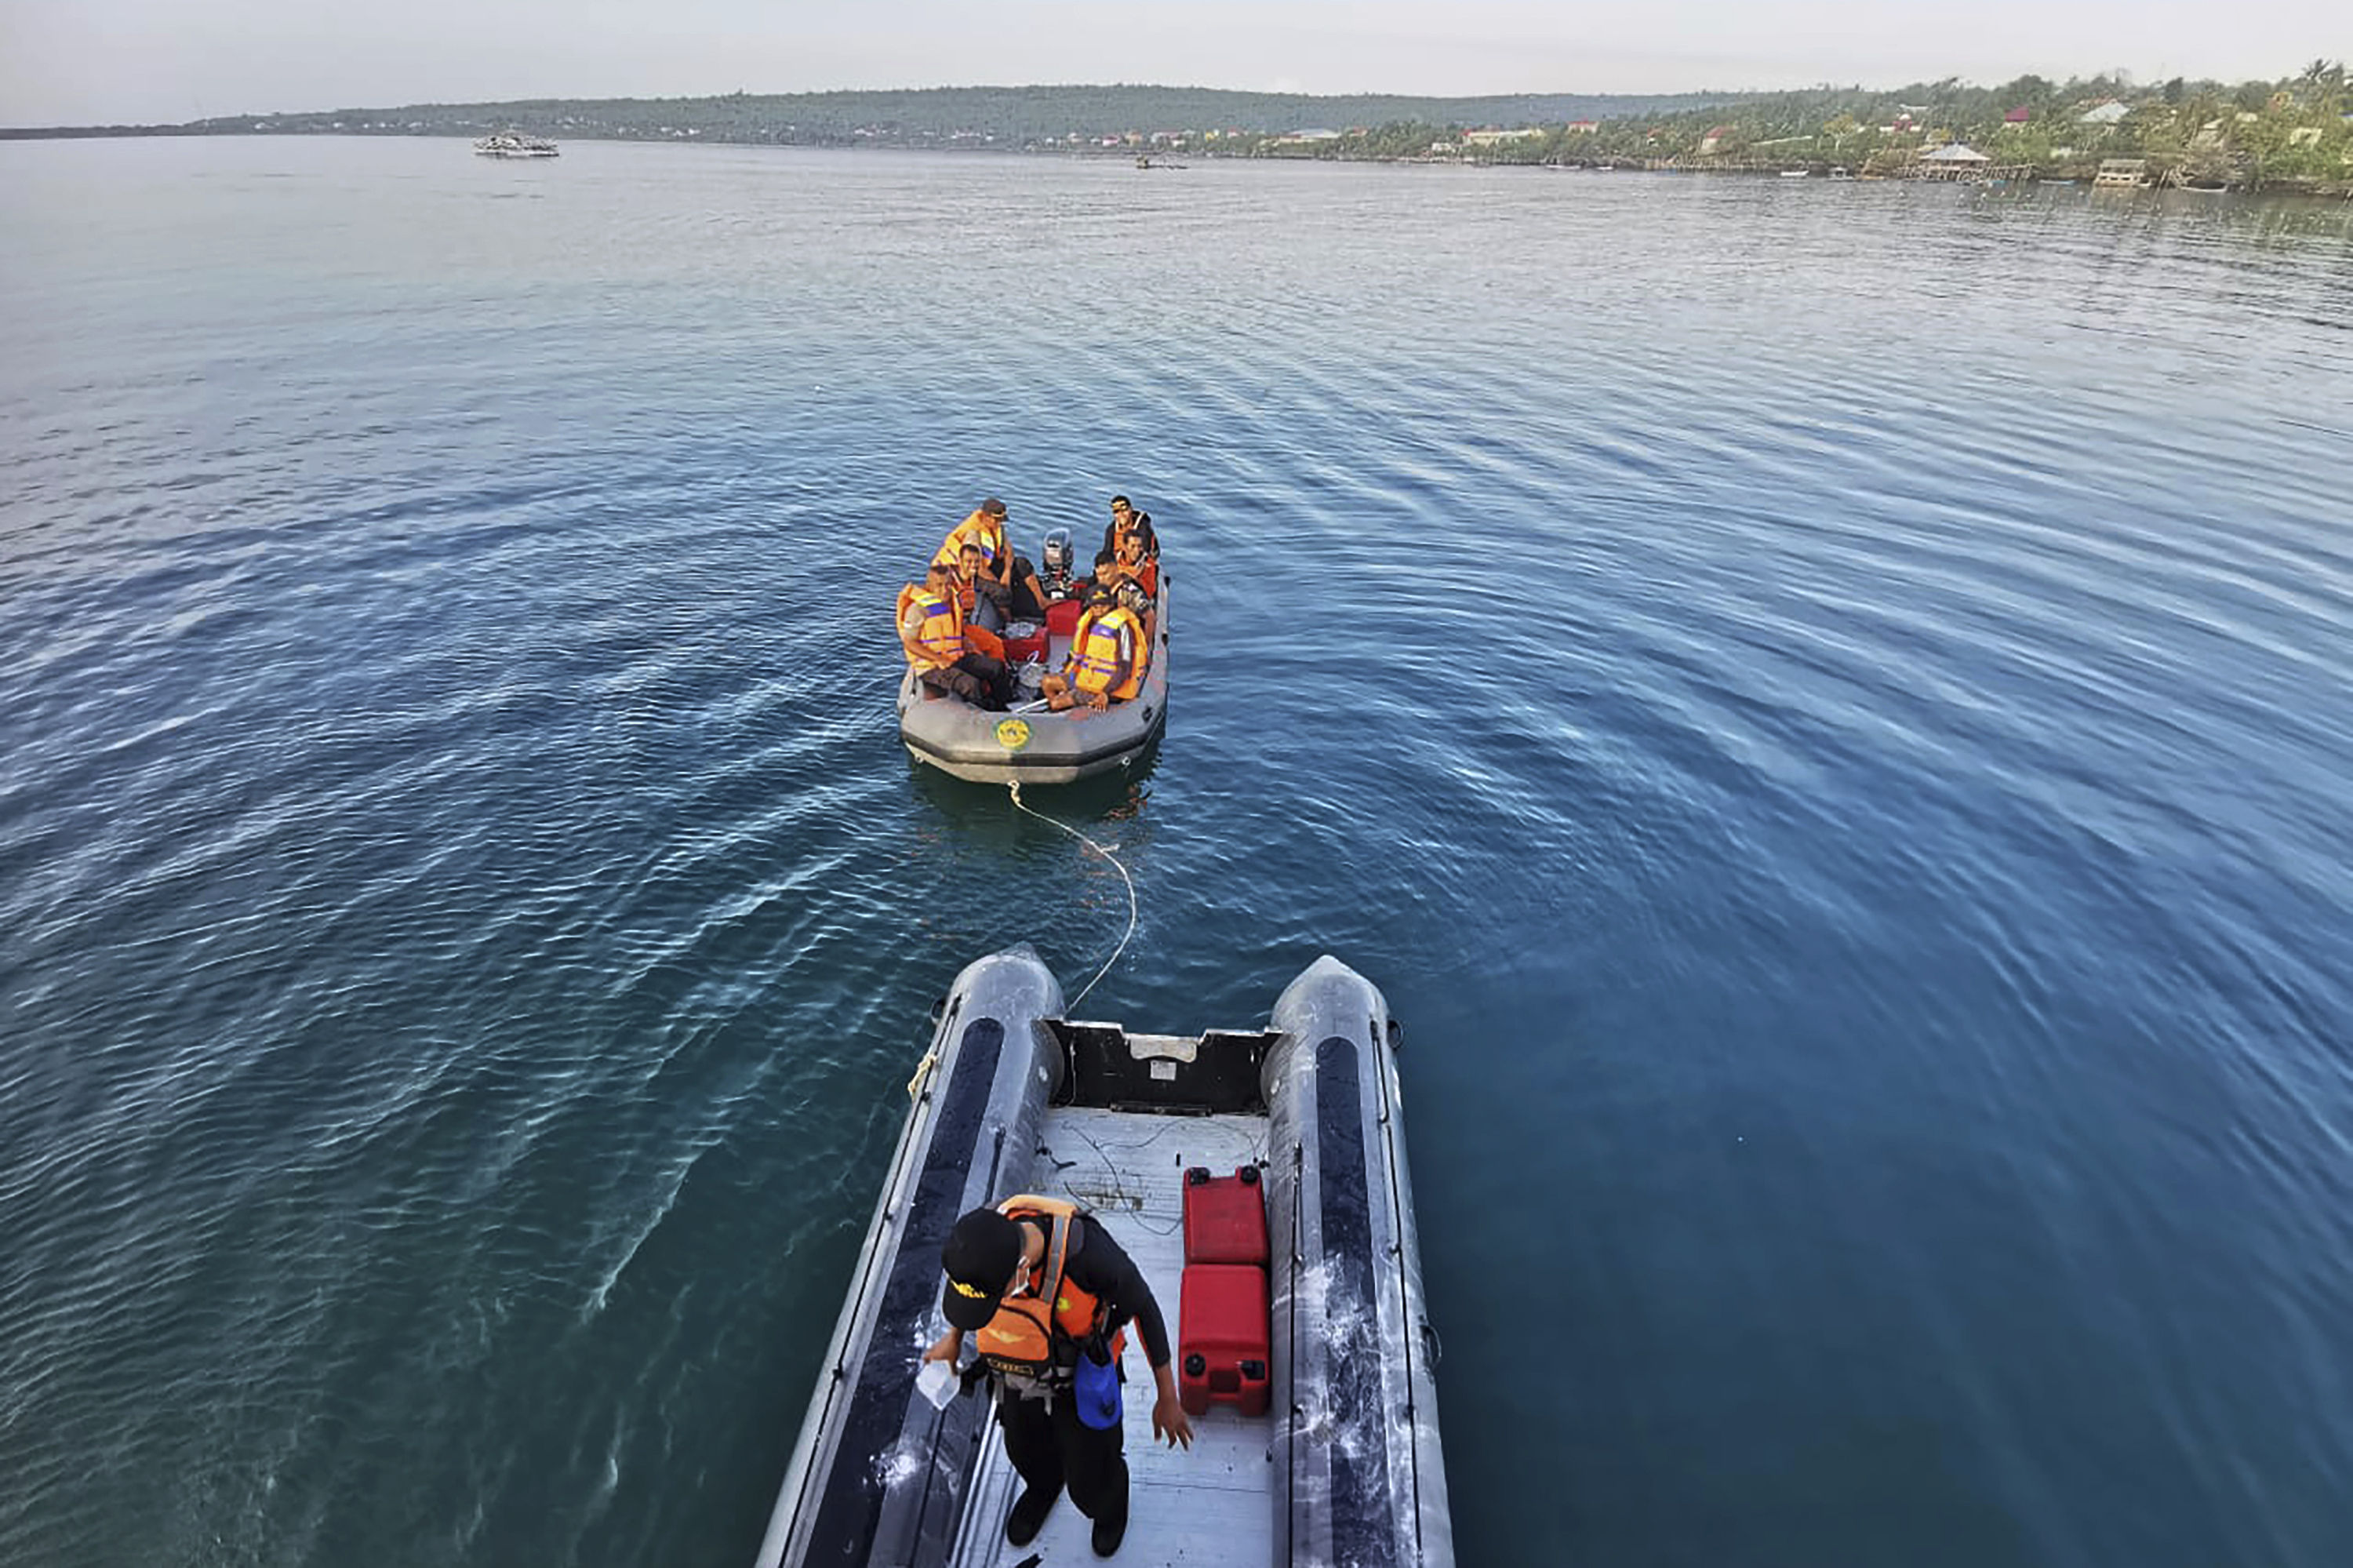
(72, 62)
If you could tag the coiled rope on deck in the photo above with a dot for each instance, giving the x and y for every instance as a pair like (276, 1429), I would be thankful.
(1022, 805)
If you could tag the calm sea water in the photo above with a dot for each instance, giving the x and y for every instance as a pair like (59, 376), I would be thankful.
(1828, 709)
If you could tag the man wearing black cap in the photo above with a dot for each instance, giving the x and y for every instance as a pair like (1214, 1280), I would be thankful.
(1110, 647)
(1012, 582)
(1037, 1261)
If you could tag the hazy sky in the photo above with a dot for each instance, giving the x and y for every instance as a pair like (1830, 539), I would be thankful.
(85, 62)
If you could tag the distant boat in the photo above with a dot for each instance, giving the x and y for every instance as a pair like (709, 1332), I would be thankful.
(1795, 174)
(514, 145)
(1146, 163)
(1841, 173)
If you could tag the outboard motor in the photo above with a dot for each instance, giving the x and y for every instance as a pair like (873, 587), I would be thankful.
(1056, 563)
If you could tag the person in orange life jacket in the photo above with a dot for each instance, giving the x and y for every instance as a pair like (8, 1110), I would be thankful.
(1018, 595)
(1137, 563)
(1126, 518)
(973, 588)
(1129, 591)
(932, 631)
(1136, 580)
(1001, 1265)
(1107, 649)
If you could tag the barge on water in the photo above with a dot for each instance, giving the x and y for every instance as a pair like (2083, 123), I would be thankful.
(1341, 1466)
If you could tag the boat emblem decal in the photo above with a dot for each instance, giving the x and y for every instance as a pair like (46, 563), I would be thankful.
(1012, 733)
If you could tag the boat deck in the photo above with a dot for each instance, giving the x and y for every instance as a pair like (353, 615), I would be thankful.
(1212, 1506)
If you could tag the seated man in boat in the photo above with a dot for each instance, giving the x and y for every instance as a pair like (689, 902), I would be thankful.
(974, 591)
(932, 631)
(1138, 563)
(1041, 1287)
(1107, 652)
(1023, 597)
(1143, 602)
(1126, 518)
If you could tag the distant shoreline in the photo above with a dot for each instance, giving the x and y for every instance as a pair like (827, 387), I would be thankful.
(2294, 136)
(2327, 191)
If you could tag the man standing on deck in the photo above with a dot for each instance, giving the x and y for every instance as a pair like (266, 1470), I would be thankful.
(1042, 1288)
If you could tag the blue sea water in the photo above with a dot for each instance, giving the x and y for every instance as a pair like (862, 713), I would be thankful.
(1827, 709)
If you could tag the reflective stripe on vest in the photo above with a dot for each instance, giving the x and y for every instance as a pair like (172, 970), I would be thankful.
(1034, 1335)
(942, 638)
(978, 528)
(1102, 654)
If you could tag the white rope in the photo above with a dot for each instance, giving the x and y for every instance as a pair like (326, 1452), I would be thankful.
(1022, 805)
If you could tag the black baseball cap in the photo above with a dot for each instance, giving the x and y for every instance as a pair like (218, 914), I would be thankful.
(980, 1257)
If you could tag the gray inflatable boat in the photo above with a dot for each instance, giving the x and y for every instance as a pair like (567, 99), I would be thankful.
(1031, 744)
(1343, 1468)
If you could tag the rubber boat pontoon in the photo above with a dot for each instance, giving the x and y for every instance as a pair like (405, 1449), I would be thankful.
(1031, 743)
(1343, 1469)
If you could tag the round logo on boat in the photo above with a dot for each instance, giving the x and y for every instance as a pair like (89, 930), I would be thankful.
(1012, 733)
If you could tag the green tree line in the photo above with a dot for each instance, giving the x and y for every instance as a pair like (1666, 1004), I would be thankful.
(2291, 131)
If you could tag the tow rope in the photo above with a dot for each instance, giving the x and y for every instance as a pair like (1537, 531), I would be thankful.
(1024, 806)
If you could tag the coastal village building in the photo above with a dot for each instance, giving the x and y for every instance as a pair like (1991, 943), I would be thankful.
(2108, 114)
(1953, 160)
(1491, 138)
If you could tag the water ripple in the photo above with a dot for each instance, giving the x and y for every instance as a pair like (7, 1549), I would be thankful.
(1825, 708)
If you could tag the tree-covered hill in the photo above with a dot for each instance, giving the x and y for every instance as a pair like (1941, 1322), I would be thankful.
(1001, 117)
(2291, 133)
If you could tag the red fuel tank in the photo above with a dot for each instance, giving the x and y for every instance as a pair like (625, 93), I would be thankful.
(1225, 1217)
(1221, 1338)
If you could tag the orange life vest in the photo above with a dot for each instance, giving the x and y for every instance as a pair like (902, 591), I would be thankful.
(1020, 1340)
(940, 641)
(981, 529)
(1106, 652)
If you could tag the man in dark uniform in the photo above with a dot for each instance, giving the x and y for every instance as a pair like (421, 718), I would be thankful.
(991, 1255)
(1126, 519)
